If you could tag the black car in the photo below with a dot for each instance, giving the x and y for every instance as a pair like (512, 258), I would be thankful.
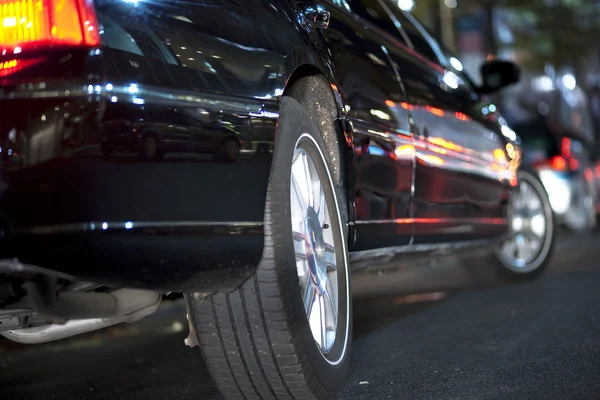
(154, 131)
(562, 160)
(358, 138)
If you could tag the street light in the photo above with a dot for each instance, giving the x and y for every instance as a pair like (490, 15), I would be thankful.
(406, 5)
(569, 81)
(451, 3)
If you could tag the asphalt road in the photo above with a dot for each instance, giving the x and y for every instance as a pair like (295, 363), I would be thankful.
(538, 340)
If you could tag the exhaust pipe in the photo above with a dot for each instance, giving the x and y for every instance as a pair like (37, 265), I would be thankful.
(130, 304)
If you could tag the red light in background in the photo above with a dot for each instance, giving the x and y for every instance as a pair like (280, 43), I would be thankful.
(558, 163)
(406, 106)
(6, 67)
(566, 147)
(33, 23)
(390, 103)
(589, 175)
(597, 170)
(513, 181)
(11, 66)
(461, 116)
(435, 111)
(573, 164)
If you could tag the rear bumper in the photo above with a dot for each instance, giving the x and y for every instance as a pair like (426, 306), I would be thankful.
(168, 222)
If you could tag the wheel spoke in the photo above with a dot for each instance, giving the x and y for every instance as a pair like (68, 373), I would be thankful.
(322, 205)
(300, 245)
(323, 322)
(330, 257)
(297, 194)
(331, 309)
(537, 224)
(308, 180)
(523, 248)
(510, 248)
(309, 298)
(301, 178)
(524, 195)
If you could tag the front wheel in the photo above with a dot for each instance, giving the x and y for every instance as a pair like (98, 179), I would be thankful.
(526, 250)
(286, 332)
(107, 151)
(150, 148)
(227, 151)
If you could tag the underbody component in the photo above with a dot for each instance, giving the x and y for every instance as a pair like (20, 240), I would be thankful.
(54, 309)
(131, 305)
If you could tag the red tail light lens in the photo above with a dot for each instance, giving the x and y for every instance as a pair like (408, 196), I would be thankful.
(29, 24)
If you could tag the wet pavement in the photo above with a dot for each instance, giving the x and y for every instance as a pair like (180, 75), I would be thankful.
(535, 340)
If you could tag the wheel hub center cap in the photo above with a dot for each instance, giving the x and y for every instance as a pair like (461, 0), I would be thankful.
(317, 262)
(520, 223)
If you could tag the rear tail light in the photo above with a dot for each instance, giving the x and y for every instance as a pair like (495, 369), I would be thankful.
(31, 24)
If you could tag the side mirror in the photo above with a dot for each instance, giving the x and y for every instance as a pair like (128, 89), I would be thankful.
(498, 74)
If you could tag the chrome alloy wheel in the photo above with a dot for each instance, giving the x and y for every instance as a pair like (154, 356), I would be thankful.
(528, 230)
(150, 146)
(314, 246)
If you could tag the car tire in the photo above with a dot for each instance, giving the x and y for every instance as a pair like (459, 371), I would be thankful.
(228, 151)
(150, 148)
(107, 151)
(515, 268)
(257, 340)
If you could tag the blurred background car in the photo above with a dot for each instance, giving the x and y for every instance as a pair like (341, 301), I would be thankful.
(154, 132)
(563, 162)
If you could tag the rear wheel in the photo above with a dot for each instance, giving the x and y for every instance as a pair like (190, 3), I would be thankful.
(227, 151)
(150, 147)
(526, 250)
(107, 151)
(285, 333)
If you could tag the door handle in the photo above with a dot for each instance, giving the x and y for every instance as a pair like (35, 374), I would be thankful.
(316, 16)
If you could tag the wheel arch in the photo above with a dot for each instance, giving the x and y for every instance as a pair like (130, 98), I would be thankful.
(318, 93)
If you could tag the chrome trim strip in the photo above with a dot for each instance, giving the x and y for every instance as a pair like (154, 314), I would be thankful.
(390, 252)
(105, 226)
(132, 92)
(464, 221)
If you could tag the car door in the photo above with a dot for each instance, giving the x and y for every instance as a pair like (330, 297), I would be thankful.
(383, 158)
(461, 171)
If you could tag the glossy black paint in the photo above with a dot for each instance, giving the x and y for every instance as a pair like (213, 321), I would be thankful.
(145, 161)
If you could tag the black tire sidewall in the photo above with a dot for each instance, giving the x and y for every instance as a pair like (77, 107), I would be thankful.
(294, 121)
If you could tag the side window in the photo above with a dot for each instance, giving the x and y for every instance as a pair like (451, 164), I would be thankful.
(372, 11)
(416, 34)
